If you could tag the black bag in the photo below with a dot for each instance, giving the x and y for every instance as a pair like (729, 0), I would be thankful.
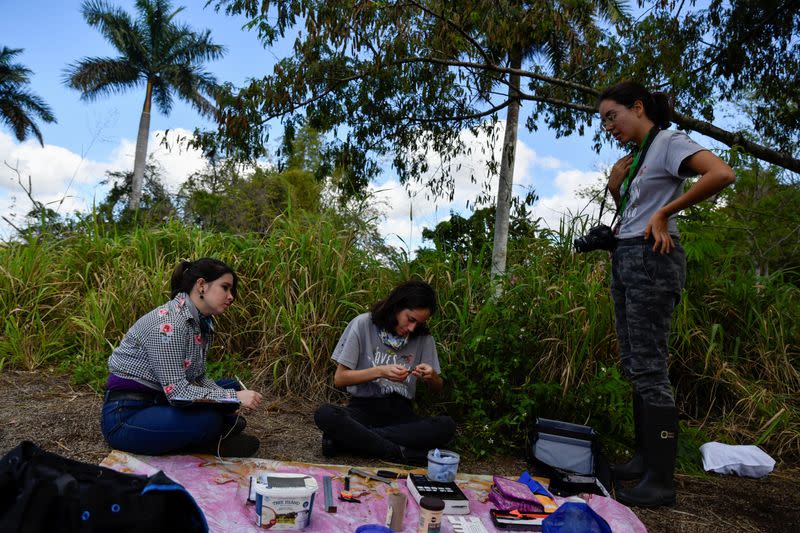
(42, 491)
(569, 455)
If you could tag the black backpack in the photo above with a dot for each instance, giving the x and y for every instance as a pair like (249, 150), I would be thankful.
(42, 491)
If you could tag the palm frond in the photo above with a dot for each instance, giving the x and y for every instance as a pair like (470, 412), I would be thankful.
(153, 46)
(112, 22)
(614, 11)
(12, 73)
(162, 96)
(99, 76)
(20, 108)
(191, 84)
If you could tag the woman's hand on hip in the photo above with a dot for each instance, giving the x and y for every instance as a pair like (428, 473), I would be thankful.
(658, 228)
(249, 399)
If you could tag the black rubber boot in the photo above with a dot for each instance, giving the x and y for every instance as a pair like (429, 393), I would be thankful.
(633, 469)
(660, 439)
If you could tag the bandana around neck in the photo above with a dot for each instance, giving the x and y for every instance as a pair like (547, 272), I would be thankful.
(391, 340)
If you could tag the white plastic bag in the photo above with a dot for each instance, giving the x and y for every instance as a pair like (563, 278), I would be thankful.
(743, 460)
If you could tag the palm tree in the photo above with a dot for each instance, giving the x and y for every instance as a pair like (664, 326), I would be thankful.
(19, 108)
(557, 30)
(156, 52)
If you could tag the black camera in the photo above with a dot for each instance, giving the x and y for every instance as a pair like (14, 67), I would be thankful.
(600, 237)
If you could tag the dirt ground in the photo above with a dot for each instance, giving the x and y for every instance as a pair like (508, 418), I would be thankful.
(45, 408)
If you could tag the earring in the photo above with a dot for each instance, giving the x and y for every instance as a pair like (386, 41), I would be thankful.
(201, 295)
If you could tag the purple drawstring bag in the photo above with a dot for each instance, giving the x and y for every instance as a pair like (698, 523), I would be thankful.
(509, 495)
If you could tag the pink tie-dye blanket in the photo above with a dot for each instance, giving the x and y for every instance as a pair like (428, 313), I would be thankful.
(221, 487)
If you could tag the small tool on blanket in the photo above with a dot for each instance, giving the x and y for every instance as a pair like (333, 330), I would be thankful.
(391, 474)
(328, 490)
(348, 497)
(368, 475)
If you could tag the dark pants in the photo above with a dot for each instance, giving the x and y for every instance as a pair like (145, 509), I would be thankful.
(154, 427)
(646, 287)
(377, 427)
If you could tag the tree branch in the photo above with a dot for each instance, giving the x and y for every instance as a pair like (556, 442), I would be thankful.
(503, 70)
(462, 117)
(334, 84)
(13, 226)
(733, 139)
(458, 28)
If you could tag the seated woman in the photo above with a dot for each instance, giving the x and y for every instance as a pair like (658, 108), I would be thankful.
(161, 362)
(380, 357)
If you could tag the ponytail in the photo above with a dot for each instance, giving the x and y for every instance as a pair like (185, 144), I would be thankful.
(661, 110)
(657, 105)
(187, 273)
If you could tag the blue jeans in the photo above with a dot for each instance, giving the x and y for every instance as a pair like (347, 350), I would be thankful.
(646, 287)
(155, 427)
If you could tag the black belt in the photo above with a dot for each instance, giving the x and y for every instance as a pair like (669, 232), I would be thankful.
(150, 397)
(638, 241)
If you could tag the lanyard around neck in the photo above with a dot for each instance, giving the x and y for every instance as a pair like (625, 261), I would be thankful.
(638, 159)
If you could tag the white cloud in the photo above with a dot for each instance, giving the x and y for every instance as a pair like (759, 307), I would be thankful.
(50, 167)
(566, 203)
(178, 162)
(57, 173)
(409, 210)
(55, 170)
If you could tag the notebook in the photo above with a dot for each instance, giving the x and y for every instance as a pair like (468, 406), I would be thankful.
(206, 401)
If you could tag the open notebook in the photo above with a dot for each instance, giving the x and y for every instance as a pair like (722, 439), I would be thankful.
(205, 401)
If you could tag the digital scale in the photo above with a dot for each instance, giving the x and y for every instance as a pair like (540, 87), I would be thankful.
(455, 502)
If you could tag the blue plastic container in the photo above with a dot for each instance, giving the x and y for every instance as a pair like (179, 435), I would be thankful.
(442, 465)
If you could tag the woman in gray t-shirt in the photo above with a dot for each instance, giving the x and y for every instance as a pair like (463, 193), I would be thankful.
(649, 269)
(379, 358)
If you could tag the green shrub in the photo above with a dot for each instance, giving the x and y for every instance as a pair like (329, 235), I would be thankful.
(545, 346)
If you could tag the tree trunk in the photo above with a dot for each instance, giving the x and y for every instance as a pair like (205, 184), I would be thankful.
(506, 178)
(140, 159)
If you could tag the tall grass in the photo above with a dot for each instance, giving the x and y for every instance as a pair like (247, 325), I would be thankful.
(545, 346)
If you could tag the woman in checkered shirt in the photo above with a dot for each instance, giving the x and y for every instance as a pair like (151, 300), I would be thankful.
(158, 398)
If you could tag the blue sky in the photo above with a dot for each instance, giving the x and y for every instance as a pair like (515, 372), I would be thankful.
(92, 138)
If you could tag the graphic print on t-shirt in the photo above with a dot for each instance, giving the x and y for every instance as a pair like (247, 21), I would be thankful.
(390, 357)
(632, 206)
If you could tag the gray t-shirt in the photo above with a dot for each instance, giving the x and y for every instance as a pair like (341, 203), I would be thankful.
(360, 347)
(658, 182)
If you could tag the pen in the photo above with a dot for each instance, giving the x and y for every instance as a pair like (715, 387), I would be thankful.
(240, 382)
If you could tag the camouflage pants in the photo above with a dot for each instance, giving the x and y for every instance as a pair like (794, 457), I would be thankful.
(646, 286)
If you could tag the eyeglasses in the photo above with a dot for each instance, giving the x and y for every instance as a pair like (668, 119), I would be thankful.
(610, 118)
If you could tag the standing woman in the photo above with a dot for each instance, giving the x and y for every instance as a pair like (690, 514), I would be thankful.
(649, 269)
(161, 364)
(380, 358)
